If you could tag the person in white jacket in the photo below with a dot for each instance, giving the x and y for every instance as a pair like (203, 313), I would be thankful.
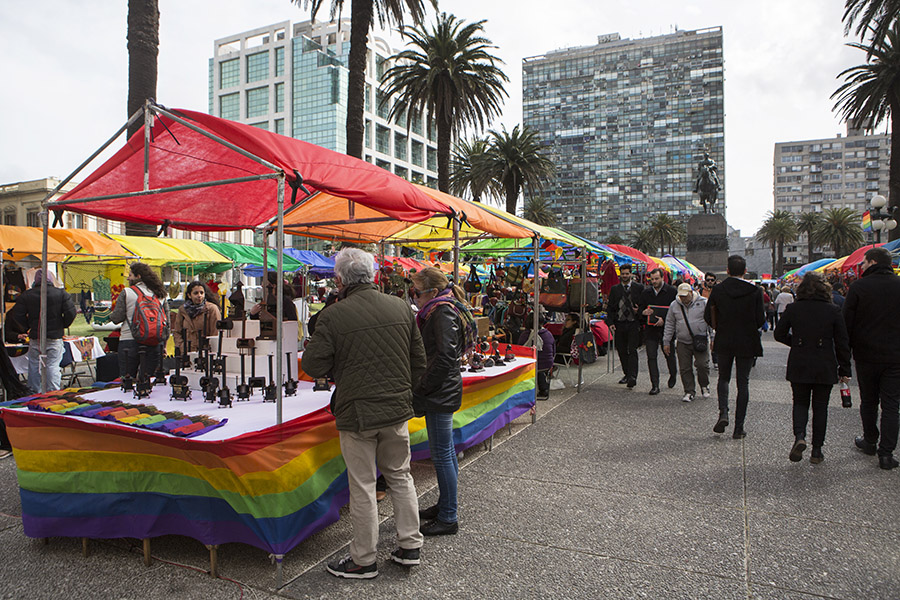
(684, 321)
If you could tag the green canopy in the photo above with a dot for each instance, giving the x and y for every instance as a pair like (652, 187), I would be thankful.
(251, 255)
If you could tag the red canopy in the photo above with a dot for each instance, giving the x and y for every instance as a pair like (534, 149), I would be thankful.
(181, 156)
(633, 253)
(856, 258)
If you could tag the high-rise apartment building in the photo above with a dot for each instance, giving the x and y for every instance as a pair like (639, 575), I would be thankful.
(292, 79)
(838, 172)
(626, 122)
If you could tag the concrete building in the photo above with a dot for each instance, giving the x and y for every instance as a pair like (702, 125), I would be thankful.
(292, 79)
(838, 172)
(626, 122)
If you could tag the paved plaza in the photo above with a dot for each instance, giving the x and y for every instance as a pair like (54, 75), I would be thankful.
(611, 494)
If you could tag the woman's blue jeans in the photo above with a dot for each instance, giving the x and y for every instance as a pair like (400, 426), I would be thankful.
(443, 454)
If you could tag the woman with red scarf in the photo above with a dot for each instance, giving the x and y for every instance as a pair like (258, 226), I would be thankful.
(448, 330)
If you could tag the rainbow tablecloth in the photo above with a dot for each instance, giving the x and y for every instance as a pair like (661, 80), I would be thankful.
(269, 488)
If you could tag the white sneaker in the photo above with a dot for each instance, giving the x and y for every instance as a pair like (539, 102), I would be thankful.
(5, 454)
(688, 398)
(705, 392)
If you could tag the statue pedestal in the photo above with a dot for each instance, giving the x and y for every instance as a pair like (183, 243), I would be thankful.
(707, 242)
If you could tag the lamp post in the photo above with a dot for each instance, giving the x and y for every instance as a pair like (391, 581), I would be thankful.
(881, 221)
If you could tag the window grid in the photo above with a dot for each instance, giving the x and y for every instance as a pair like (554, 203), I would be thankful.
(279, 97)
(230, 106)
(257, 102)
(257, 66)
(229, 73)
(279, 61)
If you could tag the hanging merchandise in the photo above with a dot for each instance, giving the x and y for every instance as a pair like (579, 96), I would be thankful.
(584, 351)
(554, 290)
(592, 293)
(473, 283)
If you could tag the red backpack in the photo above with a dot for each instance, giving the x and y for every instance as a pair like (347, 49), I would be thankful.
(150, 322)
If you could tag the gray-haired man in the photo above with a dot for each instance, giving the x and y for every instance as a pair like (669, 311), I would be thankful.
(369, 342)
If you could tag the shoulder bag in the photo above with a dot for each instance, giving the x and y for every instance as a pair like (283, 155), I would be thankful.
(699, 342)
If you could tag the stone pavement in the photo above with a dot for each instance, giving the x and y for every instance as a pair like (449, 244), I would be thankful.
(611, 494)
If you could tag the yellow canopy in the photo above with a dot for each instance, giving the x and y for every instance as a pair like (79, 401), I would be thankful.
(83, 242)
(166, 251)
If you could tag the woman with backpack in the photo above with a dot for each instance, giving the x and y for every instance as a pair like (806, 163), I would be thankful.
(144, 316)
(197, 316)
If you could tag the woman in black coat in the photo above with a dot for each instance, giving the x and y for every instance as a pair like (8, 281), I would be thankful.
(820, 351)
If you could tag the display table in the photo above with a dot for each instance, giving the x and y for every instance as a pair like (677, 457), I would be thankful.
(249, 481)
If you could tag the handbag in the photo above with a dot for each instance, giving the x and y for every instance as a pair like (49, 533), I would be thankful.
(472, 284)
(699, 342)
(554, 290)
(583, 349)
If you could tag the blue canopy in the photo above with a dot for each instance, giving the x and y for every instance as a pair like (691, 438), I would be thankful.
(318, 264)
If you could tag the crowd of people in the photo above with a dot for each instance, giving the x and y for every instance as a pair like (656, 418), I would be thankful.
(390, 363)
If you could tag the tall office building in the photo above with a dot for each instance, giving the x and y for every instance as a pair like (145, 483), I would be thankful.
(292, 79)
(838, 172)
(626, 122)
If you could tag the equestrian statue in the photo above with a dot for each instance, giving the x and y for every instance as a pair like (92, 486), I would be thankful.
(707, 183)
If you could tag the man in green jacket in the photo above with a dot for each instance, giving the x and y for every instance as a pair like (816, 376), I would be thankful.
(369, 342)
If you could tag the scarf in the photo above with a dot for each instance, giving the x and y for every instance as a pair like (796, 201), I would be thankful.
(446, 298)
(194, 309)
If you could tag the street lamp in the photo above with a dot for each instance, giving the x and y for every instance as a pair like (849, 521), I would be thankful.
(881, 221)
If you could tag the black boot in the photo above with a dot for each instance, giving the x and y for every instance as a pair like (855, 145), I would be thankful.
(816, 456)
(796, 454)
(722, 423)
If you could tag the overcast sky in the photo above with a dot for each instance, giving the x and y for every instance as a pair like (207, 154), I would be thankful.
(65, 68)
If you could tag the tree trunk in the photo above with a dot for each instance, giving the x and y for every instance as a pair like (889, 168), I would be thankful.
(894, 174)
(361, 14)
(809, 247)
(780, 270)
(143, 50)
(511, 186)
(444, 140)
(774, 259)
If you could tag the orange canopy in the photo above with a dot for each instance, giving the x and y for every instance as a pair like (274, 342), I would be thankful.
(18, 243)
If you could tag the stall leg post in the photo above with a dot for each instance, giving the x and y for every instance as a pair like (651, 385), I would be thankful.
(279, 571)
(85, 547)
(213, 560)
(582, 302)
(536, 327)
(148, 560)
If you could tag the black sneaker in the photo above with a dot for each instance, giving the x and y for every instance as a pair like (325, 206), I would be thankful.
(816, 455)
(740, 434)
(438, 527)
(348, 569)
(624, 379)
(867, 447)
(796, 454)
(406, 557)
(429, 513)
(672, 381)
(721, 424)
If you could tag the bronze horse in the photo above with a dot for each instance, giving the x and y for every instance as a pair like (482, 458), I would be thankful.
(708, 189)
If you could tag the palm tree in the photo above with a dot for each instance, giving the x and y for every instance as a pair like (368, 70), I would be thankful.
(808, 223)
(514, 161)
(840, 228)
(667, 232)
(537, 210)
(143, 50)
(467, 174)
(643, 240)
(778, 229)
(362, 16)
(871, 92)
(614, 239)
(876, 16)
(450, 71)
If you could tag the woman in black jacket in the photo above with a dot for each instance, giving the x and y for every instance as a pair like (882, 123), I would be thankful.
(447, 331)
(820, 351)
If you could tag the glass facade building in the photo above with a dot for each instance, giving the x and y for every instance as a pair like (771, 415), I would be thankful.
(626, 122)
(292, 79)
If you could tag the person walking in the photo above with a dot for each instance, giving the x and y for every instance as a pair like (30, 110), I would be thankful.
(370, 343)
(26, 313)
(622, 317)
(657, 294)
(448, 331)
(781, 301)
(685, 323)
(735, 311)
(870, 313)
(820, 353)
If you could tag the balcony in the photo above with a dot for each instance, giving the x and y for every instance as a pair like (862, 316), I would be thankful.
(815, 189)
(871, 164)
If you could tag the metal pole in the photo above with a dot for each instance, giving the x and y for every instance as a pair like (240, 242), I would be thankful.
(581, 311)
(2, 297)
(45, 221)
(456, 249)
(279, 306)
(148, 120)
(536, 327)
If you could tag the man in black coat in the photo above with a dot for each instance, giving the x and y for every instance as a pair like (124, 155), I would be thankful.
(623, 318)
(26, 314)
(658, 293)
(735, 310)
(870, 312)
